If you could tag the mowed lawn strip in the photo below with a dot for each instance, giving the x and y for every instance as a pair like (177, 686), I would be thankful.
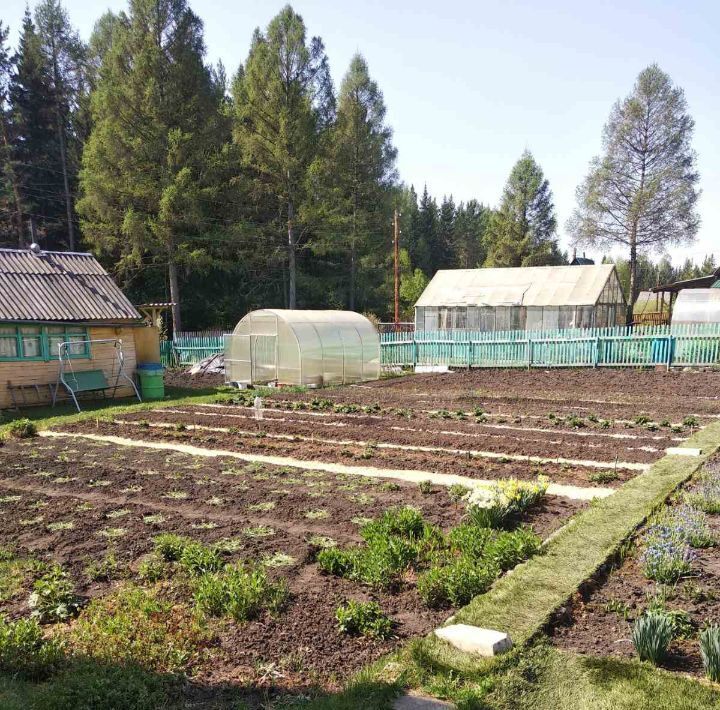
(522, 602)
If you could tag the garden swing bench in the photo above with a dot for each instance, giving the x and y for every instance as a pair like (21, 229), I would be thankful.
(90, 380)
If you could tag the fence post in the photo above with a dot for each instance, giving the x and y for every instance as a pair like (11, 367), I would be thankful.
(671, 348)
(470, 354)
(530, 352)
(597, 351)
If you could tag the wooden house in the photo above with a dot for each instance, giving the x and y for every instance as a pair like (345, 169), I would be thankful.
(47, 298)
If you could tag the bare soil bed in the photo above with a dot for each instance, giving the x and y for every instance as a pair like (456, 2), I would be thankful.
(464, 464)
(598, 620)
(71, 500)
(616, 393)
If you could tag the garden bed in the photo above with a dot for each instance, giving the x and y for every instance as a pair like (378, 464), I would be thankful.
(659, 572)
(75, 502)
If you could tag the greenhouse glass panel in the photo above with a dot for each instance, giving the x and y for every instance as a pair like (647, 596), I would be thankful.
(302, 348)
(551, 318)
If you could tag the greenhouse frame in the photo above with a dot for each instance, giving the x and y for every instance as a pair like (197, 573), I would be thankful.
(525, 298)
(295, 347)
(700, 305)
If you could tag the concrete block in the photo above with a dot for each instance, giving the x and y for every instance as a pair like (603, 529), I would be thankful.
(412, 701)
(682, 451)
(473, 639)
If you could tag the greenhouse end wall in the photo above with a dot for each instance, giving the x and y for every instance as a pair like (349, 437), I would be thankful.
(302, 348)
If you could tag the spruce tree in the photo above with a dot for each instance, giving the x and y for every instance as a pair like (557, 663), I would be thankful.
(11, 221)
(34, 154)
(65, 56)
(522, 230)
(284, 104)
(148, 174)
(444, 256)
(355, 177)
(471, 223)
(427, 249)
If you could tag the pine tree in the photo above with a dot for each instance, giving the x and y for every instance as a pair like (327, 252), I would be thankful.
(34, 153)
(522, 231)
(284, 103)
(149, 172)
(65, 56)
(356, 176)
(641, 194)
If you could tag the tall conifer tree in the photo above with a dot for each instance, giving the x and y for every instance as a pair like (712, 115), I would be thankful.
(146, 180)
(284, 103)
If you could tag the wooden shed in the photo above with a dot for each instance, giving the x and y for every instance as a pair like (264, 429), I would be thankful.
(47, 298)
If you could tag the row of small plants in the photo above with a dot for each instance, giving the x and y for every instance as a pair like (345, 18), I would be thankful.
(669, 550)
(451, 569)
(478, 414)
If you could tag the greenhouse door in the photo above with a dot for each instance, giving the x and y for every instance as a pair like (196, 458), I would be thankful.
(264, 358)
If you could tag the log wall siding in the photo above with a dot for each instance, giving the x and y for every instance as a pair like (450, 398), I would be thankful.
(102, 357)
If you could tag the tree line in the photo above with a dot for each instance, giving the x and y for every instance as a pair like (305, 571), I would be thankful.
(273, 187)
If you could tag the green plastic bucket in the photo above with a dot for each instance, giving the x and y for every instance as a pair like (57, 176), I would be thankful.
(152, 385)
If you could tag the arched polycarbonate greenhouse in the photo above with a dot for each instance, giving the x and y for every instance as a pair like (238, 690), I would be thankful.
(302, 348)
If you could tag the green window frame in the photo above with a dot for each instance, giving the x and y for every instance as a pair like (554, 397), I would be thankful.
(23, 342)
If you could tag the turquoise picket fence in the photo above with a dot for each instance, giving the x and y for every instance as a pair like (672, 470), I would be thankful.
(621, 346)
(689, 345)
(191, 347)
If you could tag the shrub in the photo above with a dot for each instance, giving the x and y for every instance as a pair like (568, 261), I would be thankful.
(22, 429)
(53, 597)
(239, 593)
(455, 584)
(604, 477)
(406, 522)
(170, 547)
(198, 559)
(135, 626)
(25, 652)
(710, 652)
(335, 561)
(651, 636)
(470, 540)
(153, 570)
(642, 419)
(363, 618)
(691, 421)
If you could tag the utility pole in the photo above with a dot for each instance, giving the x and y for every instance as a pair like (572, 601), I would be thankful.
(396, 249)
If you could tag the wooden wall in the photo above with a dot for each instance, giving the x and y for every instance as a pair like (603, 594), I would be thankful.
(102, 357)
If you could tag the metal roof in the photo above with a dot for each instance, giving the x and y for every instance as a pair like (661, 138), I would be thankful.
(59, 286)
(521, 286)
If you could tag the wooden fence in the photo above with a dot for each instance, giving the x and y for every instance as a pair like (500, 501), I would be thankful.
(621, 346)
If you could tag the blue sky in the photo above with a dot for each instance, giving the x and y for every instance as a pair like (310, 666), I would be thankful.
(470, 85)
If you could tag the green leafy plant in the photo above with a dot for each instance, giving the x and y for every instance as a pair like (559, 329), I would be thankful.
(642, 419)
(363, 618)
(197, 559)
(506, 500)
(170, 547)
(239, 592)
(457, 492)
(710, 652)
(455, 584)
(651, 636)
(24, 651)
(604, 477)
(53, 597)
(691, 421)
(104, 569)
(425, 487)
(22, 429)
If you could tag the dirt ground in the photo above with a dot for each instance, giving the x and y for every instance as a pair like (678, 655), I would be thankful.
(71, 501)
(599, 620)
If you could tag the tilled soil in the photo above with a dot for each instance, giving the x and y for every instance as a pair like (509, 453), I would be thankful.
(464, 464)
(72, 500)
(609, 393)
(464, 435)
(598, 621)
